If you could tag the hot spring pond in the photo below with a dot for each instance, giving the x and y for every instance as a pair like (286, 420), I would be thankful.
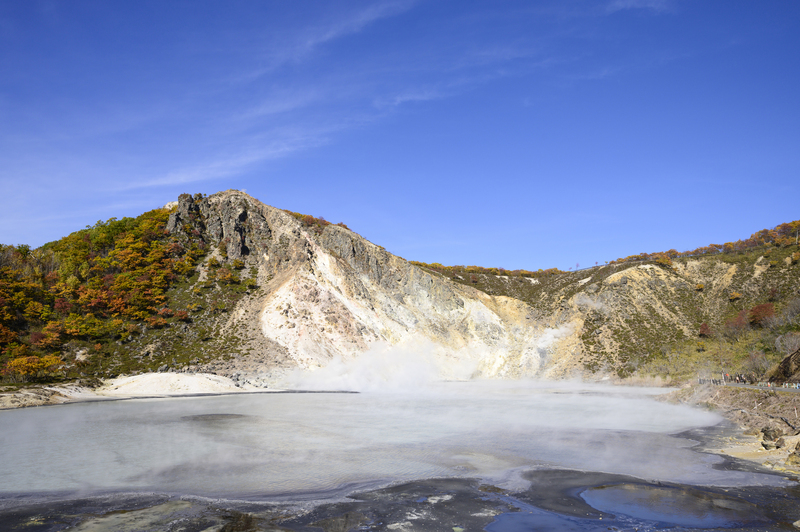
(456, 456)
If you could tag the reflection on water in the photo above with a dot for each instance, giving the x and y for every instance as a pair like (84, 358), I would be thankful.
(273, 445)
(672, 506)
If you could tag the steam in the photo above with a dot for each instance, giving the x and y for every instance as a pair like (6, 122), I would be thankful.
(585, 301)
(380, 368)
(414, 365)
(546, 343)
(551, 336)
(407, 367)
(330, 444)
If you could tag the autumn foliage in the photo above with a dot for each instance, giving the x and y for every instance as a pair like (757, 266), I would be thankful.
(93, 284)
(473, 270)
(314, 223)
(784, 235)
(737, 325)
(26, 368)
(759, 314)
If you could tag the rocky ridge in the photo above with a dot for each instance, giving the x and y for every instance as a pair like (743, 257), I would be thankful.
(264, 292)
(328, 294)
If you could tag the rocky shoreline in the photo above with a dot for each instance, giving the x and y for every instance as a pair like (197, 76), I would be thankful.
(768, 419)
(556, 499)
(40, 395)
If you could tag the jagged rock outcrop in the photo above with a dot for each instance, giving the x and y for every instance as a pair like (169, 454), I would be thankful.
(327, 293)
(788, 370)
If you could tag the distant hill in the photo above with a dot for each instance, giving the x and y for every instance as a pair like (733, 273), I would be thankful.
(229, 285)
(732, 308)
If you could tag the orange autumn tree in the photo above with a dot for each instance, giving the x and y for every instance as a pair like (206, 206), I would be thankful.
(92, 284)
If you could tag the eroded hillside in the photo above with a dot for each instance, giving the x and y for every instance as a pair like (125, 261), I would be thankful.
(230, 285)
(637, 314)
(320, 292)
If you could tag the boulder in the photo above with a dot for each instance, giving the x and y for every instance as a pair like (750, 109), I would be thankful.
(771, 434)
(793, 460)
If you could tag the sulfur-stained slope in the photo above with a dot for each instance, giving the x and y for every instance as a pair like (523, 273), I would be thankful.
(623, 315)
(327, 293)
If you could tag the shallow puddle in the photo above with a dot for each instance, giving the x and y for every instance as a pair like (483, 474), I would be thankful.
(672, 506)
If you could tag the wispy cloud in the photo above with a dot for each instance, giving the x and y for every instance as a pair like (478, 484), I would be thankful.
(274, 117)
(283, 101)
(407, 96)
(465, 72)
(653, 5)
(352, 24)
(221, 167)
(351, 95)
(265, 147)
(300, 45)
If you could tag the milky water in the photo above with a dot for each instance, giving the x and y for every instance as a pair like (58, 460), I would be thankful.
(323, 445)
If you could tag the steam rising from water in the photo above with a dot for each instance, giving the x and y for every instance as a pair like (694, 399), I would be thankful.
(382, 368)
(286, 445)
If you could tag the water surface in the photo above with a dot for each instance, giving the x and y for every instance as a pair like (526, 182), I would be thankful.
(324, 445)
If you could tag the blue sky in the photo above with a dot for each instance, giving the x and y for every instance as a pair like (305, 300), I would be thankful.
(518, 134)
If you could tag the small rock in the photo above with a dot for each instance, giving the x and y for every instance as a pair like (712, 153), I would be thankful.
(780, 443)
(768, 445)
(771, 434)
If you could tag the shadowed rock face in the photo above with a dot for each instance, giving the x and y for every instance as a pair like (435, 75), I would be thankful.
(789, 369)
(329, 293)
